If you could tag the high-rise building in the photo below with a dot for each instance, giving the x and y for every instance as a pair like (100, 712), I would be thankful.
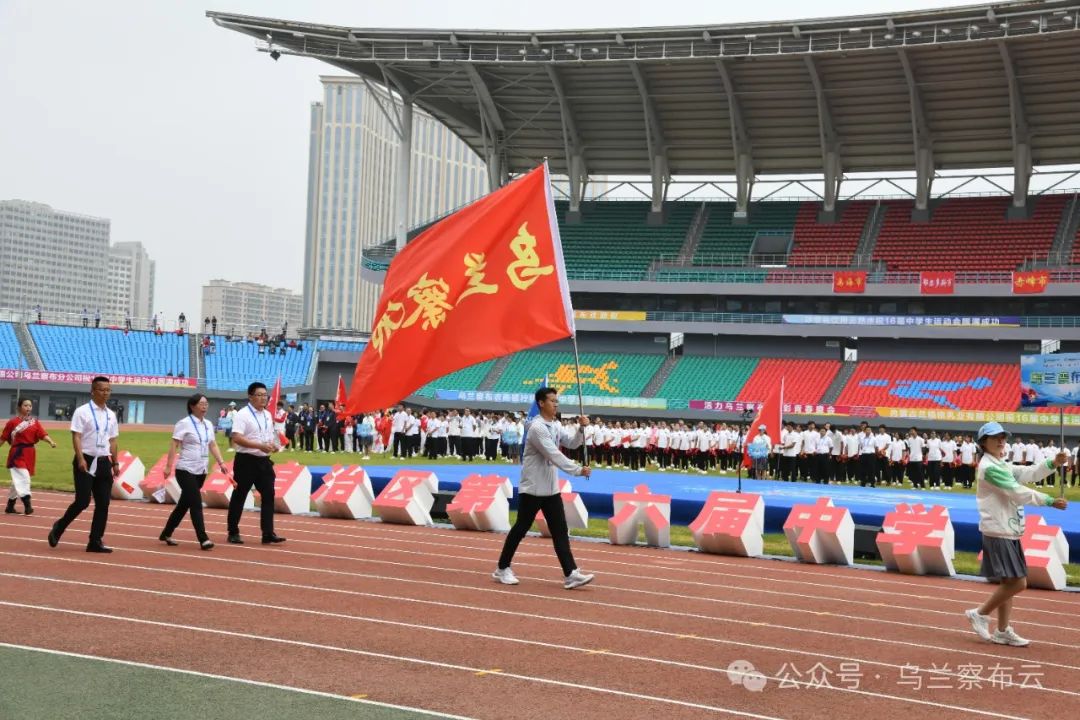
(130, 283)
(243, 307)
(52, 258)
(352, 170)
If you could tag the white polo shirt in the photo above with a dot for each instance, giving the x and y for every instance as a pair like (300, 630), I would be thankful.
(96, 426)
(195, 437)
(255, 426)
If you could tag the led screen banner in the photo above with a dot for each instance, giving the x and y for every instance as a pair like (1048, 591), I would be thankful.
(1050, 380)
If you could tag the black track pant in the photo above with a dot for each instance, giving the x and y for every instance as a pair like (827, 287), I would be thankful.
(190, 501)
(528, 507)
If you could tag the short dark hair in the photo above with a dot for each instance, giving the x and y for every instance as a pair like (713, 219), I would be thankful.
(21, 400)
(193, 401)
(255, 386)
(542, 394)
(100, 378)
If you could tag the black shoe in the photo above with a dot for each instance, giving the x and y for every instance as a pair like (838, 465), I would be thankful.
(236, 540)
(27, 508)
(10, 509)
(98, 548)
(54, 537)
(167, 539)
(272, 539)
(207, 544)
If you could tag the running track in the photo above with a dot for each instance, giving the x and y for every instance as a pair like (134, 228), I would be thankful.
(410, 616)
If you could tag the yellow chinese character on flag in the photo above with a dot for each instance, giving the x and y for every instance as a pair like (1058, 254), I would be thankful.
(526, 269)
(387, 324)
(474, 270)
(430, 299)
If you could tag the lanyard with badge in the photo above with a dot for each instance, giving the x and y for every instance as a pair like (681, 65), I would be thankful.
(102, 438)
(259, 422)
(204, 444)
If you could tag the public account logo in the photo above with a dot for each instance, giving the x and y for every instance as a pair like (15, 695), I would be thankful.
(933, 390)
(743, 672)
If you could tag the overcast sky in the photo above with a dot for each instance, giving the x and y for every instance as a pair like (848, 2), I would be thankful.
(189, 141)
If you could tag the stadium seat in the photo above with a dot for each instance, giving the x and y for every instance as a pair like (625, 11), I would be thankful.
(838, 240)
(933, 385)
(110, 351)
(805, 381)
(465, 379)
(707, 378)
(613, 236)
(722, 237)
(966, 234)
(601, 373)
(10, 355)
(236, 364)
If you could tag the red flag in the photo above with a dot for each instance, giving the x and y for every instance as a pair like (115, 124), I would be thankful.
(1034, 281)
(849, 281)
(482, 283)
(770, 416)
(342, 397)
(937, 282)
(271, 405)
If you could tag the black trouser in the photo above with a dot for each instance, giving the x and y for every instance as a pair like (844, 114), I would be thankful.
(491, 448)
(99, 485)
(309, 440)
(454, 444)
(948, 473)
(915, 473)
(867, 469)
(787, 465)
(337, 439)
(933, 469)
(190, 500)
(258, 472)
(897, 473)
(528, 507)
(824, 461)
(399, 444)
(882, 468)
(966, 474)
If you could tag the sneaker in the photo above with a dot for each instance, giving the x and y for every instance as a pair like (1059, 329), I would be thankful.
(576, 579)
(979, 623)
(505, 575)
(1008, 636)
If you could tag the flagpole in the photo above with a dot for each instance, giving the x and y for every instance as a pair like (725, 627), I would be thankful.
(580, 399)
(1062, 470)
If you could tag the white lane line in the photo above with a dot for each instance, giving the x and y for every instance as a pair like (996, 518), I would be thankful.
(408, 659)
(589, 549)
(823, 599)
(536, 616)
(229, 678)
(502, 638)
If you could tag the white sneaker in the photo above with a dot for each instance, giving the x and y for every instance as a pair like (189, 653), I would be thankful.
(506, 576)
(576, 579)
(1008, 636)
(979, 623)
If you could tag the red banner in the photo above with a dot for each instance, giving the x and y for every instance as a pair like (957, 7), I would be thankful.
(849, 281)
(1033, 281)
(937, 282)
(482, 283)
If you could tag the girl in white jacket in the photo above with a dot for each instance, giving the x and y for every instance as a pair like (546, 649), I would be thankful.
(1001, 493)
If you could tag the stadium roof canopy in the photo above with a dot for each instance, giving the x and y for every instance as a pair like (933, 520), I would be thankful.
(973, 87)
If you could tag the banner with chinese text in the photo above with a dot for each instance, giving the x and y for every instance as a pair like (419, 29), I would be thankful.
(1033, 281)
(849, 281)
(937, 282)
(1050, 379)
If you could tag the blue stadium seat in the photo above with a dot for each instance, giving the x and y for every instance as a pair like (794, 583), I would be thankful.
(236, 364)
(140, 352)
(10, 356)
(342, 345)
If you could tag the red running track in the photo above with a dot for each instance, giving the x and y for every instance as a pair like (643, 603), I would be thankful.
(410, 616)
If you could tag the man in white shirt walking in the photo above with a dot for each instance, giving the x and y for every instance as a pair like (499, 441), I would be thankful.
(256, 440)
(93, 434)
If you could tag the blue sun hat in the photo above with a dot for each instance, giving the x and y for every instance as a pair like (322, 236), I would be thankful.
(990, 429)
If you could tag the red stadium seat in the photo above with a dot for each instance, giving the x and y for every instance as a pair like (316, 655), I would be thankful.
(839, 239)
(932, 385)
(805, 381)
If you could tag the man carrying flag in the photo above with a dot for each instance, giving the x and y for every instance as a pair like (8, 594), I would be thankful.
(480, 284)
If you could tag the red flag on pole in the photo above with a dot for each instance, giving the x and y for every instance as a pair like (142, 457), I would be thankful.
(342, 397)
(770, 415)
(272, 406)
(481, 283)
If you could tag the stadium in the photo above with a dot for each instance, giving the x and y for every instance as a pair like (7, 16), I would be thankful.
(881, 212)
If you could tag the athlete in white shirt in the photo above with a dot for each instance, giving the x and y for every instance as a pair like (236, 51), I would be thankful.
(916, 466)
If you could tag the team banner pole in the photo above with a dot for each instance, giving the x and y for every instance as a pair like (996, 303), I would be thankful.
(580, 398)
